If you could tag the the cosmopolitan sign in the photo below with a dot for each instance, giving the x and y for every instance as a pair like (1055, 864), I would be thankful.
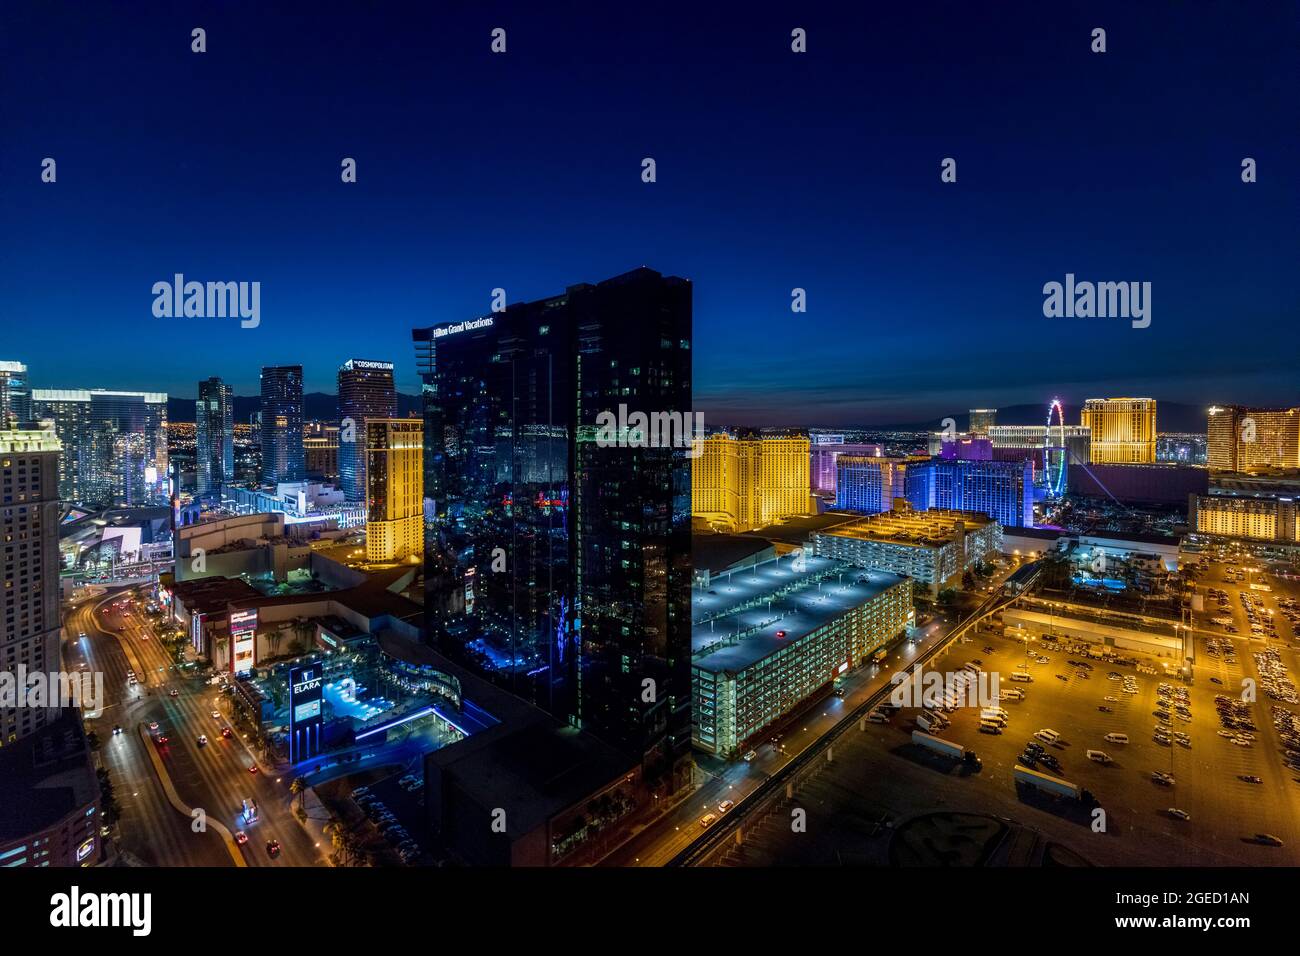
(365, 363)
(469, 325)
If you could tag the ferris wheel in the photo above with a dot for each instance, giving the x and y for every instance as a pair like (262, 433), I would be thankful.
(1054, 451)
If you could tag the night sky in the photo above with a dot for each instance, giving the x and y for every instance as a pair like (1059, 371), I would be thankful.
(775, 170)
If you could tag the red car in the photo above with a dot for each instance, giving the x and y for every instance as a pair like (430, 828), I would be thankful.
(241, 837)
(273, 848)
(225, 732)
(160, 740)
(253, 769)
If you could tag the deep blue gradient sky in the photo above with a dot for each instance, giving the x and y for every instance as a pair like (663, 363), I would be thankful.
(774, 171)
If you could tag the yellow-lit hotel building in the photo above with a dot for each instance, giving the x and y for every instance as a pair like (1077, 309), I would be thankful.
(745, 483)
(1254, 518)
(394, 488)
(1252, 440)
(1123, 430)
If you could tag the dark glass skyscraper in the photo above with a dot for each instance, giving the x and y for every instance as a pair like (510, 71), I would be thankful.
(282, 454)
(366, 392)
(559, 562)
(214, 434)
(114, 444)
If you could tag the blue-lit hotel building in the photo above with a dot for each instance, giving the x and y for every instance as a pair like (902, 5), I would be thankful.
(870, 484)
(1003, 490)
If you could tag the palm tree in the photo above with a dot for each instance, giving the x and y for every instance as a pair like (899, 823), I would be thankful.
(299, 789)
(338, 836)
(351, 847)
(275, 637)
(303, 629)
(220, 642)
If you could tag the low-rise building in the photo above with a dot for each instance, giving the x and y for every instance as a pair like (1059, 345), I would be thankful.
(935, 548)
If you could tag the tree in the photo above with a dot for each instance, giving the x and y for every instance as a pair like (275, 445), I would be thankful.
(299, 789)
(338, 838)
(303, 630)
(275, 637)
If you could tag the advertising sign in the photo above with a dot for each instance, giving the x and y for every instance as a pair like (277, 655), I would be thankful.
(306, 695)
(243, 641)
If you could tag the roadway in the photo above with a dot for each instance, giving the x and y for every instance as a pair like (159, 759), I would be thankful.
(679, 830)
(215, 777)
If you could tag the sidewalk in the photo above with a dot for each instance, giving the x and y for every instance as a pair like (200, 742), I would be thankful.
(314, 825)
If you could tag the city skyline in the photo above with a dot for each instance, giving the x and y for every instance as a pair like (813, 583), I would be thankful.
(701, 436)
(351, 267)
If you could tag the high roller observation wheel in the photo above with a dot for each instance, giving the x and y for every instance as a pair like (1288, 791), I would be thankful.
(1055, 483)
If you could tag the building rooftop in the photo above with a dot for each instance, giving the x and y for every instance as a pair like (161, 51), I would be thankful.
(540, 769)
(799, 530)
(44, 777)
(777, 616)
(716, 553)
(731, 591)
(920, 529)
(212, 595)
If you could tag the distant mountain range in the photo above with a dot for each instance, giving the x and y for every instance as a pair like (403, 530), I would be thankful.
(316, 406)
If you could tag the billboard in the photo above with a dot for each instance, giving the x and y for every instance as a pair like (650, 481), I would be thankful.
(306, 693)
(243, 641)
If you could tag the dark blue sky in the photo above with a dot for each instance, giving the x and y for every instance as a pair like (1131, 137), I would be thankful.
(774, 170)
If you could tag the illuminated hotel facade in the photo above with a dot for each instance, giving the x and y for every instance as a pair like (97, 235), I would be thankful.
(366, 391)
(1032, 439)
(1003, 490)
(822, 466)
(1123, 430)
(1249, 518)
(1250, 440)
(869, 484)
(981, 420)
(29, 628)
(747, 483)
(394, 488)
(49, 815)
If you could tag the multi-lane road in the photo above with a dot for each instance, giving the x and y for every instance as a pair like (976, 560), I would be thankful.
(214, 778)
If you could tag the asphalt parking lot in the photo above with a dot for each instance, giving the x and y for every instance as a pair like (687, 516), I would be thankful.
(878, 780)
(1224, 810)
